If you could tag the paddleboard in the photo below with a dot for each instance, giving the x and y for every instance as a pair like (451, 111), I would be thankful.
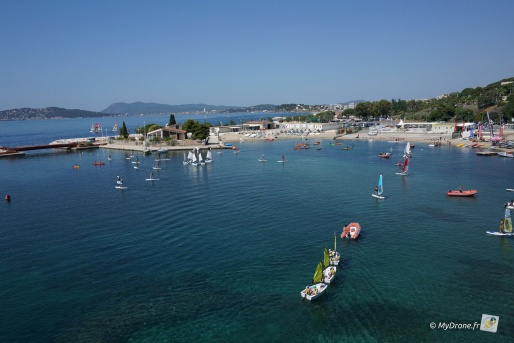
(156, 168)
(136, 162)
(136, 167)
(496, 233)
(282, 161)
(401, 174)
(260, 160)
(120, 187)
(377, 196)
(510, 189)
(152, 179)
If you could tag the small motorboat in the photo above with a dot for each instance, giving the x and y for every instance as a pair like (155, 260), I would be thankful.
(76, 166)
(461, 192)
(505, 154)
(96, 163)
(385, 155)
(351, 230)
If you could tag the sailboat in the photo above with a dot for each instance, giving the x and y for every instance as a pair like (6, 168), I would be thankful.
(115, 127)
(405, 167)
(329, 271)
(193, 159)
(379, 189)
(335, 257)
(208, 157)
(96, 128)
(406, 151)
(200, 158)
(506, 230)
(318, 287)
(186, 161)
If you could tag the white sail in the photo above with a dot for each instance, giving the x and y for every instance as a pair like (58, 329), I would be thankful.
(406, 152)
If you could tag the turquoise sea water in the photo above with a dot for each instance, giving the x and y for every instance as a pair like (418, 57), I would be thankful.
(220, 253)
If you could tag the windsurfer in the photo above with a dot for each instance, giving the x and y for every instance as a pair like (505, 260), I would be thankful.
(501, 226)
(376, 190)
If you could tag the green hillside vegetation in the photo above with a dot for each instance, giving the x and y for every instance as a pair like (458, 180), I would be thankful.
(471, 104)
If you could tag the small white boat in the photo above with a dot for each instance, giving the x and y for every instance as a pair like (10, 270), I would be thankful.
(317, 288)
(505, 154)
(208, 157)
(162, 151)
(200, 159)
(334, 256)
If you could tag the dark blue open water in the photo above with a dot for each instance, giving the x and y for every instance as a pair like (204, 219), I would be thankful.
(220, 253)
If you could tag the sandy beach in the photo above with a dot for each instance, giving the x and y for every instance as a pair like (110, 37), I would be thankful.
(363, 135)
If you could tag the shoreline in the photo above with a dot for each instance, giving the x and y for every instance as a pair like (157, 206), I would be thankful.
(394, 137)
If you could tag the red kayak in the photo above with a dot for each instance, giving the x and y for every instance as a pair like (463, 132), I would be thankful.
(461, 193)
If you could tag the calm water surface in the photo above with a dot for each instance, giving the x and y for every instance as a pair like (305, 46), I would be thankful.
(220, 253)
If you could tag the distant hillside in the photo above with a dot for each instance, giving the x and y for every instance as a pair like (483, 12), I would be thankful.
(48, 113)
(137, 108)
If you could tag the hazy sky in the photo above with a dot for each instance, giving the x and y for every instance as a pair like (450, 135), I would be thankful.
(89, 54)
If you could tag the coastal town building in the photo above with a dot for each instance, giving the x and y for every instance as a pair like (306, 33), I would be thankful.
(318, 127)
(172, 132)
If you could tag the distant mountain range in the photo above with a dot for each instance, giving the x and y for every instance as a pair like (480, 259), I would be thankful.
(125, 109)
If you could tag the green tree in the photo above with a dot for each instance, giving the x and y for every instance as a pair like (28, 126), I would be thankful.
(172, 120)
(201, 131)
(349, 112)
(382, 108)
(190, 125)
(364, 110)
(123, 131)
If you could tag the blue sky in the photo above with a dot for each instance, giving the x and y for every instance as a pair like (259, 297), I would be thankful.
(90, 54)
